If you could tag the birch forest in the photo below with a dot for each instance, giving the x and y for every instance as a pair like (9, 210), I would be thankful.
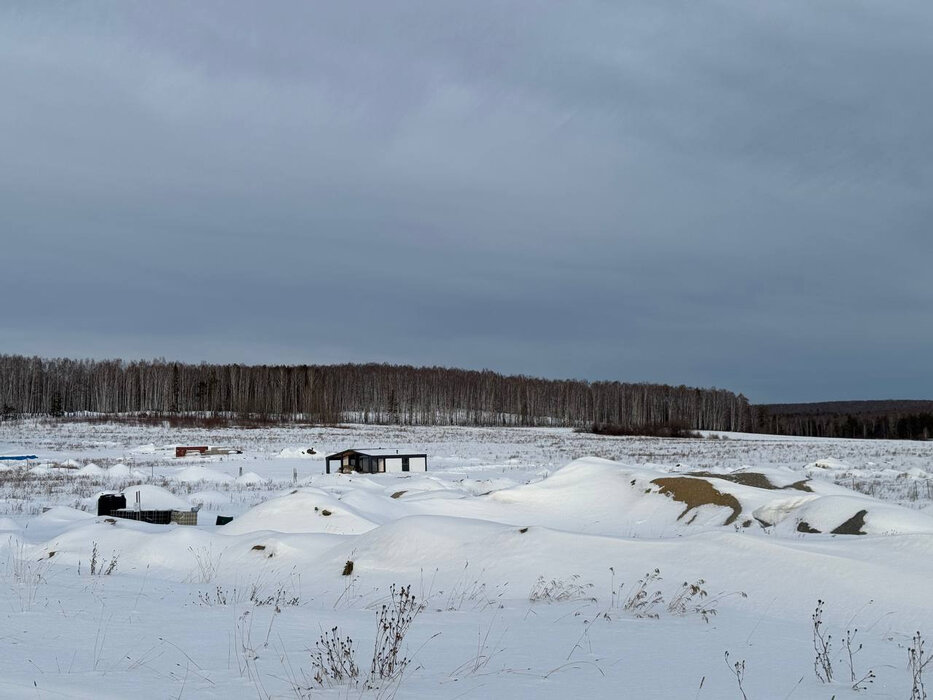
(365, 393)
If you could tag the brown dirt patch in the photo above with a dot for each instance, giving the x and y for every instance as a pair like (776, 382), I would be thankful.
(759, 481)
(852, 526)
(398, 494)
(804, 526)
(754, 479)
(698, 492)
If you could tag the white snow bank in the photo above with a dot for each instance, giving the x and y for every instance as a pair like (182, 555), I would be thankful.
(407, 543)
(302, 510)
(827, 464)
(172, 551)
(90, 469)
(856, 515)
(592, 495)
(119, 471)
(193, 475)
(299, 453)
(153, 498)
(479, 487)
(62, 514)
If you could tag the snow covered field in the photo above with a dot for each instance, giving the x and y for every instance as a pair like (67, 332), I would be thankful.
(543, 564)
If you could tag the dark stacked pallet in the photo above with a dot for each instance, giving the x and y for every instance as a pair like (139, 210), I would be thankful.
(156, 517)
(110, 502)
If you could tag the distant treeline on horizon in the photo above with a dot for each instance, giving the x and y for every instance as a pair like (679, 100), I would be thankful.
(386, 394)
(886, 420)
(366, 393)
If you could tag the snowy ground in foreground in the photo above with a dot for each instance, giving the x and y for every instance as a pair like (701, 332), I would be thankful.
(523, 544)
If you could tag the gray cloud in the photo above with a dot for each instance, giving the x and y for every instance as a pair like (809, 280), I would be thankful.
(726, 194)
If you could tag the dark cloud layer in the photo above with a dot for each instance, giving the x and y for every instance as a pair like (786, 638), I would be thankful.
(725, 193)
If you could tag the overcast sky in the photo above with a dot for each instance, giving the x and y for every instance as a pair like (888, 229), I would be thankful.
(725, 193)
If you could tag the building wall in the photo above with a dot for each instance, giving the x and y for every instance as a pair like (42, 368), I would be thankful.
(415, 464)
(392, 464)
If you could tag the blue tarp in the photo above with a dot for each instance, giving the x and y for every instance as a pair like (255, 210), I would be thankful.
(19, 458)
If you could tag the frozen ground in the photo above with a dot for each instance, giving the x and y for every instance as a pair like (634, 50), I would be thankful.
(525, 547)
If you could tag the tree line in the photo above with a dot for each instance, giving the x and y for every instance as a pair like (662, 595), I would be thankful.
(886, 420)
(366, 393)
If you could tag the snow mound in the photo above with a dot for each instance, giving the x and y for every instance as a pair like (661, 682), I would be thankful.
(802, 506)
(406, 543)
(827, 464)
(422, 483)
(480, 487)
(343, 483)
(424, 488)
(601, 497)
(852, 515)
(62, 515)
(193, 475)
(168, 551)
(299, 452)
(589, 495)
(119, 471)
(154, 498)
(91, 469)
(302, 510)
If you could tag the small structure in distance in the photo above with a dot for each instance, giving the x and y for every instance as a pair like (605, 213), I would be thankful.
(206, 451)
(376, 461)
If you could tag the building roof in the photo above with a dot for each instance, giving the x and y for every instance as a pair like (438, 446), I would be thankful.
(378, 452)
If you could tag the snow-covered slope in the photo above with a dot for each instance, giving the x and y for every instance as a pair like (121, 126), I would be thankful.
(530, 573)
